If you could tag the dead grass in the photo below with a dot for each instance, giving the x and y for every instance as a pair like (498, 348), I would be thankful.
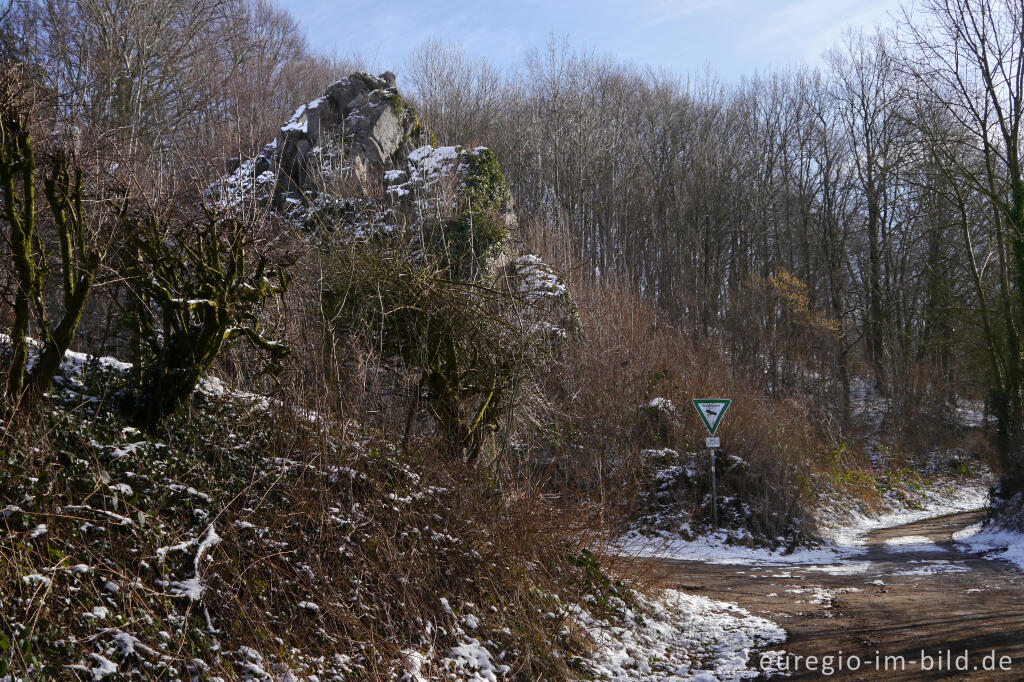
(335, 549)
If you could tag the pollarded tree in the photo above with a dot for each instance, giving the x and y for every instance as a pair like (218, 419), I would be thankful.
(197, 288)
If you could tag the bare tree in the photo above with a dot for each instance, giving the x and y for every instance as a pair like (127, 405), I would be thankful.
(967, 57)
(29, 245)
(867, 94)
(456, 94)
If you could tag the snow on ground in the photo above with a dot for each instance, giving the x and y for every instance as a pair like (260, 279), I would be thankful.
(971, 413)
(869, 407)
(715, 548)
(840, 555)
(680, 637)
(910, 540)
(820, 596)
(997, 543)
(925, 567)
(669, 636)
(844, 532)
(946, 497)
(912, 544)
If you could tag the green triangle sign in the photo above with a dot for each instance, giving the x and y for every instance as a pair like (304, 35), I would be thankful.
(711, 411)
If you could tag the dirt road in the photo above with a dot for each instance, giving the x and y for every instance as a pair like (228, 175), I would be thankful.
(908, 600)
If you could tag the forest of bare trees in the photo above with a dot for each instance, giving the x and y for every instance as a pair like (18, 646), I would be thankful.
(435, 334)
(153, 80)
(857, 219)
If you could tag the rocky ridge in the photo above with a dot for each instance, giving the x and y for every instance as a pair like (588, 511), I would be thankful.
(355, 161)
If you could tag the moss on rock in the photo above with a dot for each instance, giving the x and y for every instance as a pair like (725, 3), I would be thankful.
(480, 230)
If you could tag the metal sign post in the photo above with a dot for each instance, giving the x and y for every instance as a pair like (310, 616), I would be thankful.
(714, 491)
(711, 411)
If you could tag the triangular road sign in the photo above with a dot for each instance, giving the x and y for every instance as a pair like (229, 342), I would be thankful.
(711, 411)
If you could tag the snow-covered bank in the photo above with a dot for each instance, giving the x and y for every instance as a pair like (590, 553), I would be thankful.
(679, 637)
(716, 548)
(848, 527)
(994, 542)
(1001, 534)
(843, 528)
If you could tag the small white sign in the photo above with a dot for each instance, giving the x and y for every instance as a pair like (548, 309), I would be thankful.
(713, 442)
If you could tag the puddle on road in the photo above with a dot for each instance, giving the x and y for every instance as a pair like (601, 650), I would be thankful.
(933, 567)
(844, 569)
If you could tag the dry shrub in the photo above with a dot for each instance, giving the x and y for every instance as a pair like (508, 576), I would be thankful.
(600, 445)
(309, 509)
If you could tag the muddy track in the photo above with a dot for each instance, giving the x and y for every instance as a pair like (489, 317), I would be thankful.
(911, 590)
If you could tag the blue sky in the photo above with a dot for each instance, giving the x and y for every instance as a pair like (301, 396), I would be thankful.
(732, 37)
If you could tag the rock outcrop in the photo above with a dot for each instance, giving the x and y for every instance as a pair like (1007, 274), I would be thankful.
(362, 120)
(353, 163)
(359, 128)
(353, 160)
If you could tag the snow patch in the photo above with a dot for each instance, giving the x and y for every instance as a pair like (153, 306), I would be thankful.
(192, 588)
(995, 542)
(910, 540)
(933, 567)
(680, 637)
(845, 534)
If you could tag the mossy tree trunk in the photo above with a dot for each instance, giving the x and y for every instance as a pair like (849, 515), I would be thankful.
(79, 260)
(79, 264)
(17, 165)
